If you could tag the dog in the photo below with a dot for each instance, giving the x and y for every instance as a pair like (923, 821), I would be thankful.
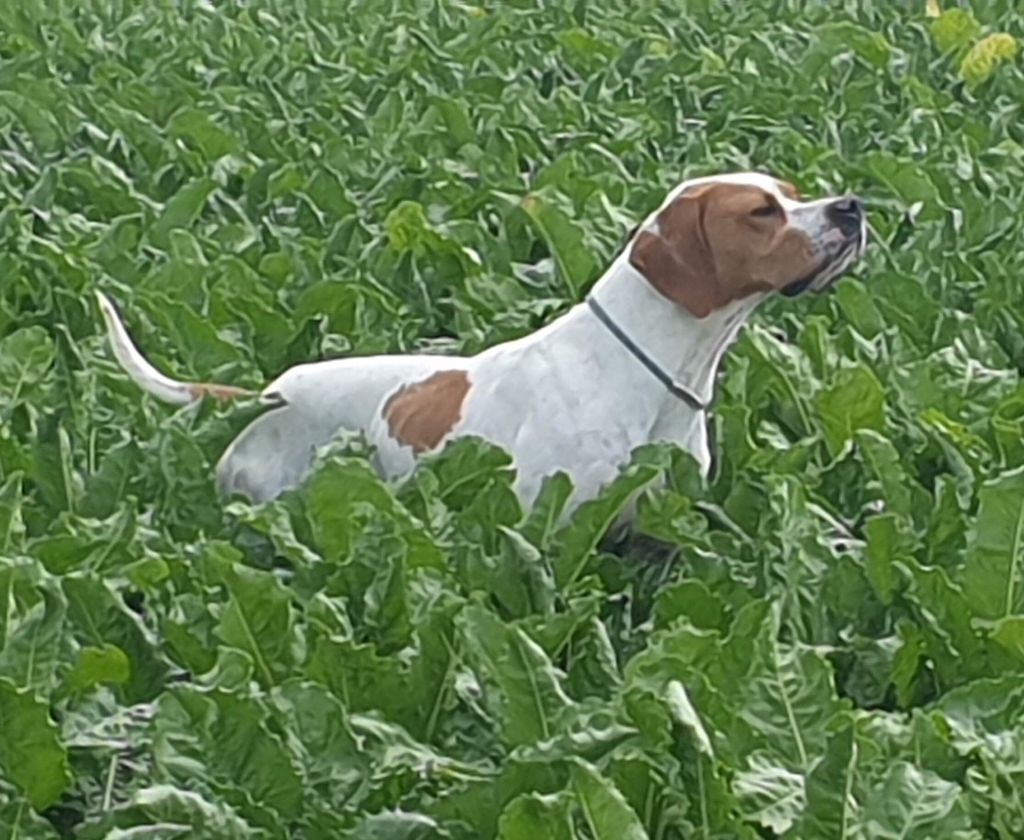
(634, 363)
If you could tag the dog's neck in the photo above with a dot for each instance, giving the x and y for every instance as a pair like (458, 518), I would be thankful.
(688, 348)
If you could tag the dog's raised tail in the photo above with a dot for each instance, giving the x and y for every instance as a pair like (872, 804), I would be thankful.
(148, 377)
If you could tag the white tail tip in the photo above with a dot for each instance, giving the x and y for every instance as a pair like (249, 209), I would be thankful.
(134, 363)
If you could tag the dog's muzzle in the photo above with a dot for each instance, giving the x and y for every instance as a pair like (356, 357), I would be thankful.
(848, 237)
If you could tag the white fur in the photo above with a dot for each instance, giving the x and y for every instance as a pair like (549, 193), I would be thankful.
(135, 364)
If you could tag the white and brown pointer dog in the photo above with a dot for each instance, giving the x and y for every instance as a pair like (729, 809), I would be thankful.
(633, 364)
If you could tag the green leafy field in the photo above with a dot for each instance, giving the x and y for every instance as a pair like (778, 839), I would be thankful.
(835, 649)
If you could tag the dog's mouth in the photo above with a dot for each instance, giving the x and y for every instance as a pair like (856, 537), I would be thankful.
(839, 258)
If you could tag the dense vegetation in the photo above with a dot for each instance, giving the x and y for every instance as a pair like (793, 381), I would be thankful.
(835, 648)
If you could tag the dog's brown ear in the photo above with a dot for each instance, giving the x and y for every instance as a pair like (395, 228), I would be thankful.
(676, 258)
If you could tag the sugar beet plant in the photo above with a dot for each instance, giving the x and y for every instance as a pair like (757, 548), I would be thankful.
(825, 640)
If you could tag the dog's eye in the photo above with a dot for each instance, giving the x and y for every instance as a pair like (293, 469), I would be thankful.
(765, 211)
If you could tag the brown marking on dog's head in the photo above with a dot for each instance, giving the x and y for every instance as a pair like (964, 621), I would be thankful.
(788, 190)
(222, 393)
(421, 414)
(720, 242)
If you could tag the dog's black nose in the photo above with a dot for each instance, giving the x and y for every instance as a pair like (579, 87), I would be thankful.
(847, 214)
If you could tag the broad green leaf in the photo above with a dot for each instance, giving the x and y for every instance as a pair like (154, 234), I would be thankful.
(32, 643)
(473, 479)
(953, 645)
(232, 737)
(197, 128)
(396, 825)
(905, 673)
(168, 809)
(258, 620)
(50, 466)
(514, 574)
(342, 495)
(974, 712)
(693, 600)
(456, 119)
(182, 210)
(287, 179)
(25, 357)
(31, 753)
(994, 570)
(580, 41)
(99, 665)
(947, 528)
(18, 819)
(605, 811)
(859, 306)
(532, 816)
(330, 752)
(565, 241)
(542, 520)
(103, 490)
(830, 809)
(856, 401)
(187, 628)
(579, 539)
(362, 679)
(1009, 633)
(883, 458)
(954, 29)
(871, 46)
(671, 654)
(101, 618)
(386, 607)
(886, 546)
(590, 736)
(594, 667)
(783, 691)
(525, 691)
(911, 804)
(38, 122)
(769, 794)
(232, 670)
(12, 526)
(910, 183)
(431, 684)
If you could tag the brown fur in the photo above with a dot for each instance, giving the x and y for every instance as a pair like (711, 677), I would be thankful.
(788, 190)
(421, 414)
(711, 248)
(223, 393)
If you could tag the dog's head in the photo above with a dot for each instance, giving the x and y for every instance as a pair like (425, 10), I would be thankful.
(720, 239)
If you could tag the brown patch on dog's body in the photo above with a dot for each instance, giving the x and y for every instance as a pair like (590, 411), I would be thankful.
(718, 243)
(421, 414)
